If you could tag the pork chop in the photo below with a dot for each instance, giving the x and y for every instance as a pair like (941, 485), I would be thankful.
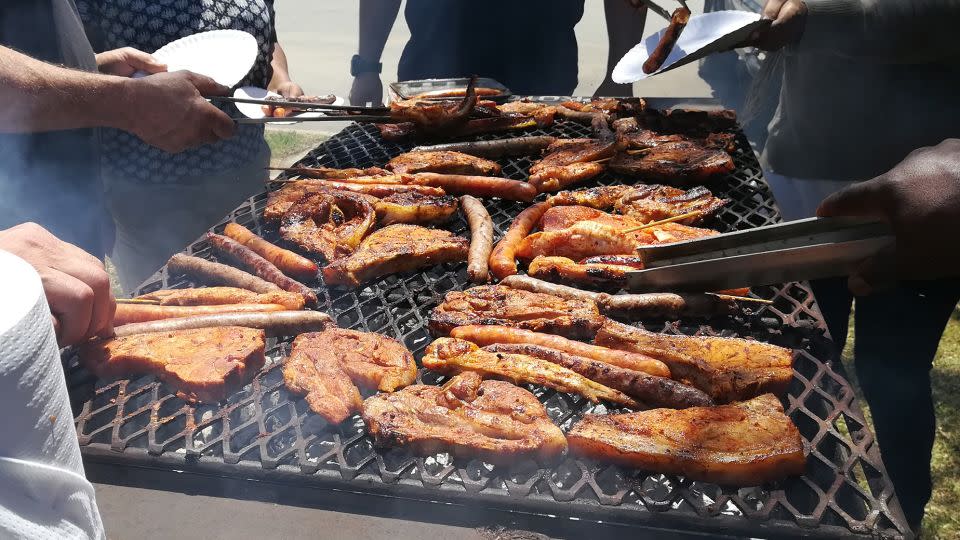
(444, 162)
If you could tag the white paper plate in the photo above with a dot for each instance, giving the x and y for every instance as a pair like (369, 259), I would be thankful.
(253, 110)
(705, 34)
(225, 56)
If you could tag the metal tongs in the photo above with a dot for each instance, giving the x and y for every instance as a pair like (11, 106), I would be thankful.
(799, 250)
(654, 7)
(333, 113)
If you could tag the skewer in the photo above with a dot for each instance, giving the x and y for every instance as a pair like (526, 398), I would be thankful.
(304, 105)
(138, 301)
(670, 219)
(742, 298)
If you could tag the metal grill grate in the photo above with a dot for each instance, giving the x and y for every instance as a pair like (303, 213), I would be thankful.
(262, 430)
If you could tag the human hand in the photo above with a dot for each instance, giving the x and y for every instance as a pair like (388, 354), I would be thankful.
(75, 283)
(789, 20)
(168, 110)
(126, 61)
(366, 88)
(920, 198)
(289, 89)
(608, 88)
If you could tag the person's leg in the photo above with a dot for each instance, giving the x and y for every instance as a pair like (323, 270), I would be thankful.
(897, 335)
(834, 300)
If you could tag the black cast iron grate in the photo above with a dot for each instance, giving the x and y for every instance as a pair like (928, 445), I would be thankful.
(261, 429)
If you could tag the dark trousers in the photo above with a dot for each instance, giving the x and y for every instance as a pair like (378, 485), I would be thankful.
(897, 334)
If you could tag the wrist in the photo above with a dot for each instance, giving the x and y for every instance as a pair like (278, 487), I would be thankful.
(360, 65)
(116, 105)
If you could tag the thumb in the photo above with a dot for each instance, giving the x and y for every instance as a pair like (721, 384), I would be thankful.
(205, 85)
(870, 198)
(142, 61)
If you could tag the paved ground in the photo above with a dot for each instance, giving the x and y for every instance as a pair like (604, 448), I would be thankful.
(319, 38)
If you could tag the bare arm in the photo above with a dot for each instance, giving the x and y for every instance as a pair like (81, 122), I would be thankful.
(376, 19)
(624, 30)
(281, 82)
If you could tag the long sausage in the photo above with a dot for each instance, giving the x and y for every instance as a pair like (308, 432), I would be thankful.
(287, 261)
(527, 283)
(481, 239)
(479, 186)
(503, 259)
(135, 313)
(218, 274)
(489, 335)
(276, 323)
(678, 21)
(215, 296)
(260, 266)
(518, 146)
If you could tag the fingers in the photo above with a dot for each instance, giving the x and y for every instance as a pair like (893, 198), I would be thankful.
(205, 85)
(787, 12)
(71, 303)
(870, 198)
(875, 274)
(142, 61)
(221, 125)
(771, 10)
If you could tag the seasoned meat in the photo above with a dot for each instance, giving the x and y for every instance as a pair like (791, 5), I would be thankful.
(205, 364)
(678, 21)
(681, 162)
(602, 276)
(436, 117)
(328, 366)
(729, 369)
(599, 198)
(495, 421)
(414, 208)
(331, 224)
(213, 296)
(452, 356)
(656, 202)
(337, 174)
(690, 122)
(393, 249)
(569, 161)
(496, 304)
(743, 444)
(443, 162)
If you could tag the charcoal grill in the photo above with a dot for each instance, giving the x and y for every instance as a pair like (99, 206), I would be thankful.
(262, 434)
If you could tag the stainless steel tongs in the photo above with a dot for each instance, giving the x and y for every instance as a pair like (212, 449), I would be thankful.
(799, 250)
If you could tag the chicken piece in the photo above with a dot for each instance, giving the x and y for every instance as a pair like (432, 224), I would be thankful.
(331, 224)
(444, 162)
(569, 161)
(599, 198)
(436, 117)
(414, 208)
(452, 356)
(743, 444)
(471, 418)
(681, 162)
(729, 369)
(656, 202)
(202, 365)
(328, 366)
(601, 276)
(215, 296)
(499, 305)
(280, 201)
(543, 113)
(393, 249)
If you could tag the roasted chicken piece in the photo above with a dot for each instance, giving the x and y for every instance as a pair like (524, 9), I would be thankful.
(681, 162)
(496, 304)
(543, 113)
(436, 117)
(491, 420)
(328, 366)
(655, 202)
(215, 296)
(444, 162)
(204, 365)
(393, 249)
(743, 444)
(452, 356)
(414, 208)
(331, 224)
(569, 161)
(729, 369)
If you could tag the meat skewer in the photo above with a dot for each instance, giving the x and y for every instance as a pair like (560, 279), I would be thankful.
(276, 323)
(260, 266)
(481, 239)
(480, 186)
(503, 259)
(519, 146)
(287, 261)
(215, 296)
(678, 21)
(136, 313)
(218, 274)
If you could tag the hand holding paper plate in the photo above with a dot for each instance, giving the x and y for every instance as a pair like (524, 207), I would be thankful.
(225, 56)
(705, 34)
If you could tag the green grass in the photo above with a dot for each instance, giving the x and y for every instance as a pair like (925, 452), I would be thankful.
(942, 522)
(286, 145)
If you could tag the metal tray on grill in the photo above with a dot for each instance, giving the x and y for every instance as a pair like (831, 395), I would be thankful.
(133, 429)
(409, 89)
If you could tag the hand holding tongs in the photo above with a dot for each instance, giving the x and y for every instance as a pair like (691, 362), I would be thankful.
(342, 113)
(654, 7)
(799, 250)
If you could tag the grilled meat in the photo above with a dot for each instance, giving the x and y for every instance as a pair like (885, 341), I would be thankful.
(599, 198)
(331, 224)
(414, 208)
(728, 369)
(469, 417)
(397, 248)
(674, 162)
(689, 122)
(283, 111)
(336, 174)
(280, 201)
(496, 304)
(517, 146)
(451, 356)
(678, 21)
(655, 202)
(213, 296)
(204, 365)
(543, 113)
(746, 443)
(602, 276)
(443, 162)
(327, 367)
(436, 117)
(568, 161)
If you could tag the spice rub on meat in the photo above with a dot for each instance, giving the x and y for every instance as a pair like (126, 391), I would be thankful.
(445, 162)
(505, 306)
(495, 421)
(202, 365)
(327, 367)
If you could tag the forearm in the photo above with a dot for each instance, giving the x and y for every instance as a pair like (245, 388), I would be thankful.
(376, 20)
(281, 72)
(36, 96)
(624, 29)
(890, 31)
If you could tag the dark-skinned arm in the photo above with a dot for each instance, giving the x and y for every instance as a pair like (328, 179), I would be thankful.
(376, 20)
(625, 21)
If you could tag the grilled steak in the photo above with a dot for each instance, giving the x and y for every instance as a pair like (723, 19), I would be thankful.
(204, 365)
(744, 444)
(416, 208)
(681, 162)
(469, 417)
(505, 306)
(655, 202)
(569, 161)
(443, 162)
(327, 367)
(331, 224)
(397, 248)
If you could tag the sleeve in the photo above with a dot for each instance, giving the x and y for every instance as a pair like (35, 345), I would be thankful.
(883, 31)
(273, 20)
